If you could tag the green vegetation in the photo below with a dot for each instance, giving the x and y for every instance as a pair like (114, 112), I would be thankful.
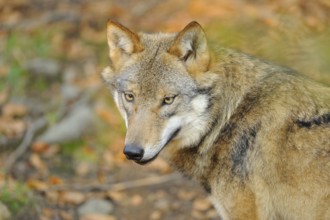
(71, 147)
(16, 197)
(18, 48)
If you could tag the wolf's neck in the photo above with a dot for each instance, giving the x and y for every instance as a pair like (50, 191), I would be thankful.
(238, 75)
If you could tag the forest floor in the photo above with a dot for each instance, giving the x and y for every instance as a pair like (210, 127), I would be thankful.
(61, 137)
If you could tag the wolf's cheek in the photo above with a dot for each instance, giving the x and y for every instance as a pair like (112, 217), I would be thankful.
(171, 129)
(195, 127)
(120, 107)
(200, 104)
(195, 122)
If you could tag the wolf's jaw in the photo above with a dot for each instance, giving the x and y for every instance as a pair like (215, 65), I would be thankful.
(152, 154)
(144, 162)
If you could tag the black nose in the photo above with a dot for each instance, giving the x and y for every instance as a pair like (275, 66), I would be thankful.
(133, 152)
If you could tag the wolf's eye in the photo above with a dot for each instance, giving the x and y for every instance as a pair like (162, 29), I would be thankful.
(129, 97)
(168, 100)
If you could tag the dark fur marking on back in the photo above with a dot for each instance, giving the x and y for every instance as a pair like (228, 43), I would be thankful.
(240, 151)
(238, 136)
(214, 164)
(323, 119)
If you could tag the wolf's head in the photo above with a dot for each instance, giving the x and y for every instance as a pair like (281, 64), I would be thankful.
(161, 85)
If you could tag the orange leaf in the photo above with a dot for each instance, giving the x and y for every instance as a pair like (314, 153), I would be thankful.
(55, 180)
(39, 147)
(37, 185)
(51, 151)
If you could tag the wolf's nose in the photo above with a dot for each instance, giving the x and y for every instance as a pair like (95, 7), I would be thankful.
(133, 152)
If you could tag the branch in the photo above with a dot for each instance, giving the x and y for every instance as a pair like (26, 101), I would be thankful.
(27, 140)
(154, 180)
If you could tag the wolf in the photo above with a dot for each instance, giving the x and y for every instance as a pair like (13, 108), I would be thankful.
(254, 134)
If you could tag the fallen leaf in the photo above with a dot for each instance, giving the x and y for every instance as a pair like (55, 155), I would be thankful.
(101, 175)
(72, 197)
(116, 196)
(202, 204)
(97, 217)
(197, 214)
(37, 185)
(12, 127)
(82, 168)
(211, 214)
(65, 215)
(163, 204)
(52, 151)
(37, 163)
(39, 147)
(54, 180)
(155, 215)
(17, 127)
(136, 200)
(47, 213)
(52, 196)
(14, 110)
(186, 195)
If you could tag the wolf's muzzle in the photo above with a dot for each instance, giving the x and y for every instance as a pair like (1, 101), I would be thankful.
(133, 152)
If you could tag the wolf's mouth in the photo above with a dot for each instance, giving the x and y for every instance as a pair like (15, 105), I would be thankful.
(145, 161)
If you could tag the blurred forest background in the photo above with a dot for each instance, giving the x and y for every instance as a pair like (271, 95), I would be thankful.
(61, 137)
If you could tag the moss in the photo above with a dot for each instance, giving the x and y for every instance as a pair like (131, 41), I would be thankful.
(16, 197)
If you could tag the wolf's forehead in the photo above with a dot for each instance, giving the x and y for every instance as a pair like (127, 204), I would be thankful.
(152, 71)
(155, 80)
(149, 80)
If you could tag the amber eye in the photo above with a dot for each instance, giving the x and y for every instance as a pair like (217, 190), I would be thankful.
(168, 100)
(129, 97)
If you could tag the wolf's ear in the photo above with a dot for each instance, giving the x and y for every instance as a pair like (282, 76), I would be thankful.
(122, 43)
(190, 46)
